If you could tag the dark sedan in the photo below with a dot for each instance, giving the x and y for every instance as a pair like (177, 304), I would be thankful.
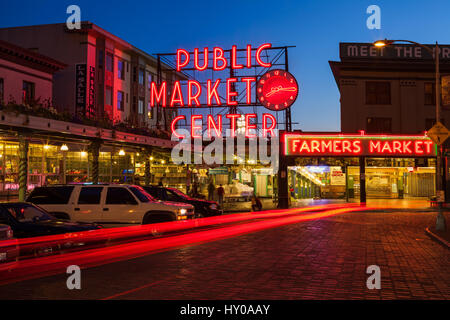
(203, 208)
(27, 220)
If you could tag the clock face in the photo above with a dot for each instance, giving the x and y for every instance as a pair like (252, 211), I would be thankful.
(277, 90)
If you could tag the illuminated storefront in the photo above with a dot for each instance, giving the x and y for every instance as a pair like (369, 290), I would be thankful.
(359, 166)
(48, 164)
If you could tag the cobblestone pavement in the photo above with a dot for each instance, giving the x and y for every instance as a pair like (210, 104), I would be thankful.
(321, 259)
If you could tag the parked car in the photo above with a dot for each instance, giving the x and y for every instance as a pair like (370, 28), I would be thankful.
(203, 208)
(9, 250)
(107, 203)
(27, 220)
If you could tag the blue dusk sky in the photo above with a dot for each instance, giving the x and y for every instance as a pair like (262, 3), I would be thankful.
(315, 27)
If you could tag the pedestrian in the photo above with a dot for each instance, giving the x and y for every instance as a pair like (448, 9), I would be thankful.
(195, 189)
(211, 189)
(221, 193)
(160, 183)
(256, 203)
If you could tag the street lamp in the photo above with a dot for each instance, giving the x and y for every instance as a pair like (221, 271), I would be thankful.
(440, 220)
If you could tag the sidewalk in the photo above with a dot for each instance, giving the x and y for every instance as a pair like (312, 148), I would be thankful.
(394, 204)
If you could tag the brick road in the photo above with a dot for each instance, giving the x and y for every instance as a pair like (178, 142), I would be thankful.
(322, 259)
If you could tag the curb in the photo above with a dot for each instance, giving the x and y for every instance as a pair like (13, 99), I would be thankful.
(436, 237)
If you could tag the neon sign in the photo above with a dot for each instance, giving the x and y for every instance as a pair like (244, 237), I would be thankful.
(278, 86)
(215, 125)
(358, 145)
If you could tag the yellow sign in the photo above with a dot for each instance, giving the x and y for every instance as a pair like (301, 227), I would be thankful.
(439, 133)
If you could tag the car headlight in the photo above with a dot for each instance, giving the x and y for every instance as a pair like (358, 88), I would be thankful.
(183, 211)
(213, 206)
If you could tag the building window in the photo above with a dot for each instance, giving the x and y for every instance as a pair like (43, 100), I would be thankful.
(149, 80)
(379, 125)
(108, 96)
(141, 106)
(141, 76)
(120, 103)
(120, 69)
(134, 74)
(378, 92)
(27, 92)
(2, 91)
(109, 62)
(430, 93)
(100, 59)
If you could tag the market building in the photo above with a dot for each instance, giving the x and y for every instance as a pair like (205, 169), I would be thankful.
(75, 108)
(386, 94)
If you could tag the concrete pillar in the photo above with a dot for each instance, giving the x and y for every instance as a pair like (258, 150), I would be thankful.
(147, 173)
(94, 151)
(309, 189)
(23, 167)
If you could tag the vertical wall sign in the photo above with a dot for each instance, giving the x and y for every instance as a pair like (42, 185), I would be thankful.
(80, 89)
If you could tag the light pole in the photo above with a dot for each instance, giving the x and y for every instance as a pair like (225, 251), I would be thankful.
(440, 220)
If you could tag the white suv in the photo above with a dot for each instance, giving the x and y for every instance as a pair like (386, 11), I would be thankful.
(107, 203)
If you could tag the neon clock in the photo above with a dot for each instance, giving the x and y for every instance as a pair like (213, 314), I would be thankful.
(277, 90)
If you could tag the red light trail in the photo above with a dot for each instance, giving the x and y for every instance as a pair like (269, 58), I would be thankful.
(44, 266)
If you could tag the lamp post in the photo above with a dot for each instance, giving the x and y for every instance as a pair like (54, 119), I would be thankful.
(440, 220)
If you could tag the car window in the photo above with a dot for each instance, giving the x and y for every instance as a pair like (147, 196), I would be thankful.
(50, 195)
(90, 195)
(171, 196)
(118, 195)
(178, 192)
(27, 213)
(152, 191)
(162, 194)
(141, 194)
(4, 217)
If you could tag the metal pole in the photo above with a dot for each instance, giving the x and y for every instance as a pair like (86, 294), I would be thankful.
(287, 113)
(440, 220)
(64, 178)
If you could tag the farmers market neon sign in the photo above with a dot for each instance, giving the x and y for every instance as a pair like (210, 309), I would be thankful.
(358, 145)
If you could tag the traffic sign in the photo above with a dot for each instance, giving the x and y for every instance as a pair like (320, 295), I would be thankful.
(439, 133)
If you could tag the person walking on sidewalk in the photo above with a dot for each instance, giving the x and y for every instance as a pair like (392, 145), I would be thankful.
(221, 193)
(256, 203)
(211, 189)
